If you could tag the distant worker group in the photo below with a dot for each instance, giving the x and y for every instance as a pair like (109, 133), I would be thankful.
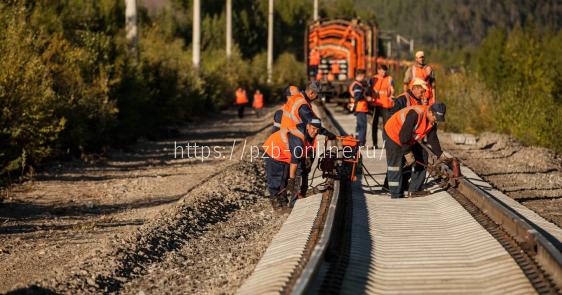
(241, 101)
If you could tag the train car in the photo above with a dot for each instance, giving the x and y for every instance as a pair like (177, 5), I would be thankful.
(335, 49)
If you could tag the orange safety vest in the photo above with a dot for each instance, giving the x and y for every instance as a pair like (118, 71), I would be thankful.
(362, 105)
(258, 101)
(241, 97)
(276, 146)
(424, 74)
(314, 57)
(395, 123)
(382, 86)
(291, 117)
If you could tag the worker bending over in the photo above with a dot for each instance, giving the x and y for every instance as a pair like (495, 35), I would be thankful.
(404, 130)
(382, 89)
(422, 71)
(285, 154)
(359, 105)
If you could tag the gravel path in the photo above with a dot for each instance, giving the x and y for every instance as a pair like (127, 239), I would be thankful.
(142, 220)
(530, 175)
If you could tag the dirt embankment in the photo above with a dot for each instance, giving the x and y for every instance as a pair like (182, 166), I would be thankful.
(530, 175)
(143, 220)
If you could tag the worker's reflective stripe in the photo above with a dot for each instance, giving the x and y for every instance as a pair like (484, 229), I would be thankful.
(297, 104)
(291, 114)
(413, 72)
(293, 118)
(297, 132)
(393, 168)
(283, 135)
(275, 124)
(393, 183)
(403, 115)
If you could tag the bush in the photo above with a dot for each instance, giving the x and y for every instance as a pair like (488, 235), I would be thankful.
(469, 103)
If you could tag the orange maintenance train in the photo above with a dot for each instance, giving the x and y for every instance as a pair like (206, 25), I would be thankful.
(336, 48)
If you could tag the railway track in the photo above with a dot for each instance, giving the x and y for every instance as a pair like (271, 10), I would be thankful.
(354, 239)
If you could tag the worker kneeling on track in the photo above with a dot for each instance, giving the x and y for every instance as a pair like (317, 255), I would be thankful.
(405, 129)
(284, 162)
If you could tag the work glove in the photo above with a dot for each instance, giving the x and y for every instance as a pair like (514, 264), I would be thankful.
(443, 159)
(410, 159)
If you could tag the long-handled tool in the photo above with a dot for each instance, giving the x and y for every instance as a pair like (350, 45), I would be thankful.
(446, 169)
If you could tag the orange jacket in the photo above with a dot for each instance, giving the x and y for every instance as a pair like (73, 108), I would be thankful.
(258, 100)
(241, 97)
(362, 105)
(423, 73)
(383, 86)
(395, 123)
(276, 146)
(291, 117)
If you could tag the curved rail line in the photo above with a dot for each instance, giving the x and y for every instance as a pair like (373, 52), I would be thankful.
(472, 236)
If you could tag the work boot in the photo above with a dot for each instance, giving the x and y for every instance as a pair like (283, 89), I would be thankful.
(418, 194)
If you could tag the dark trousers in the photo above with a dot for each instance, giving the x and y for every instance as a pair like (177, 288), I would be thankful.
(379, 113)
(277, 174)
(394, 163)
(241, 111)
(258, 112)
(361, 127)
(398, 177)
(417, 173)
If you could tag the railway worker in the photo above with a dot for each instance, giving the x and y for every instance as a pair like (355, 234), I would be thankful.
(413, 96)
(277, 116)
(383, 91)
(314, 62)
(404, 130)
(360, 107)
(285, 153)
(422, 71)
(241, 101)
(257, 104)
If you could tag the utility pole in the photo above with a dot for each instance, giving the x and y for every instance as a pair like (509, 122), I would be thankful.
(131, 27)
(196, 42)
(228, 28)
(270, 43)
(315, 15)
